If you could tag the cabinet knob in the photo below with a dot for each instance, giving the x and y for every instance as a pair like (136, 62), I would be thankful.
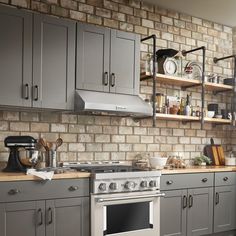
(73, 188)
(169, 182)
(13, 191)
(204, 180)
(225, 178)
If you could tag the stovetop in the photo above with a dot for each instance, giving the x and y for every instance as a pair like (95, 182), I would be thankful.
(102, 167)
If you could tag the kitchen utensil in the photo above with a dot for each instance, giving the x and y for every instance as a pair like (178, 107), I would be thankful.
(29, 157)
(174, 110)
(169, 52)
(210, 114)
(212, 152)
(221, 154)
(160, 100)
(218, 116)
(224, 113)
(44, 143)
(59, 142)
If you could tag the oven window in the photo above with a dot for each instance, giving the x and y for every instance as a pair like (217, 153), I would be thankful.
(127, 217)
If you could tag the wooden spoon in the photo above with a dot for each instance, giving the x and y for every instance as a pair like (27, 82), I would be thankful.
(59, 142)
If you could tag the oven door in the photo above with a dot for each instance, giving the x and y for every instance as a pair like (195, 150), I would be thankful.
(126, 214)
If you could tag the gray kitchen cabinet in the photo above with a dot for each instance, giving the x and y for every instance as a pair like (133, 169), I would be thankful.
(187, 208)
(224, 202)
(37, 60)
(68, 217)
(173, 213)
(55, 208)
(93, 57)
(107, 60)
(22, 218)
(53, 62)
(15, 57)
(200, 211)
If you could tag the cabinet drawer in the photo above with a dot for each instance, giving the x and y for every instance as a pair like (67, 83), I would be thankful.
(36, 190)
(181, 181)
(225, 178)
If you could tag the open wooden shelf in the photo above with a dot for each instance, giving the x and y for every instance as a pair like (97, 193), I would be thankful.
(161, 116)
(176, 117)
(185, 83)
(171, 80)
(217, 121)
(218, 87)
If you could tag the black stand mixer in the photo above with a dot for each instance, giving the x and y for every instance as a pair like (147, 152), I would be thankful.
(23, 153)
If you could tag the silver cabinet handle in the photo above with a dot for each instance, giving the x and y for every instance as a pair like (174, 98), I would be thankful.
(26, 91)
(113, 79)
(13, 191)
(129, 198)
(50, 218)
(40, 217)
(36, 92)
(217, 198)
(73, 188)
(105, 78)
(190, 201)
(185, 202)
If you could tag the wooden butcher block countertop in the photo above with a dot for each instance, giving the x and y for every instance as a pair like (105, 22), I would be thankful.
(22, 176)
(198, 169)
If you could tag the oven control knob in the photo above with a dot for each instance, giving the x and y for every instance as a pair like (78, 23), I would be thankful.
(143, 184)
(113, 186)
(129, 185)
(102, 187)
(152, 184)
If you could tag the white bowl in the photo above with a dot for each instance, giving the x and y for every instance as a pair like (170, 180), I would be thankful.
(210, 114)
(157, 162)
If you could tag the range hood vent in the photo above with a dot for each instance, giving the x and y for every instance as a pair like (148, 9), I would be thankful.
(110, 103)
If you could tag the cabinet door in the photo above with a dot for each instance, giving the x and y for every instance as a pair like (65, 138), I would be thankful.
(68, 217)
(200, 211)
(224, 210)
(173, 213)
(22, 218)
(15, 57)
(125, 62)
(92, 58)
(53, 62)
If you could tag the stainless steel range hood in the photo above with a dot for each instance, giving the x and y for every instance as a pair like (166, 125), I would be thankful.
(110, 103)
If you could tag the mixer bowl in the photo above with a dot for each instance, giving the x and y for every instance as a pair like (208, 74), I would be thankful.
(29, 157)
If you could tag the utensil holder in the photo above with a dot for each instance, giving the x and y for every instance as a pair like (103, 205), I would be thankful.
(51, 158)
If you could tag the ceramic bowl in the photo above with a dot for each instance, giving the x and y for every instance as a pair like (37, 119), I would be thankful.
(157, 162)
(210, 114)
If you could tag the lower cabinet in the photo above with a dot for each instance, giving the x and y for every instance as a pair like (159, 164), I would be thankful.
(67, 216)
(224, 202)
(187, 212)
(187, 208)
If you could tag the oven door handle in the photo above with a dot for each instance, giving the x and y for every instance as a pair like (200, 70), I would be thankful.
(128, 198)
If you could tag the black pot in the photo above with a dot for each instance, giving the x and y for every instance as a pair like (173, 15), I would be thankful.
(213, 107)
(229, 81)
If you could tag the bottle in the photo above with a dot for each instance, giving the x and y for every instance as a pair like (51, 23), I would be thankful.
(181, 107)
(147, 64)
(188, 107)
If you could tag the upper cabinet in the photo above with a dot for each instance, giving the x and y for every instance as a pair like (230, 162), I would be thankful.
(48, 80)
(53, 62)
(107, 60)
(15, 57)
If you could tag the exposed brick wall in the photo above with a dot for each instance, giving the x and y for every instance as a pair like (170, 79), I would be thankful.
(103, 138)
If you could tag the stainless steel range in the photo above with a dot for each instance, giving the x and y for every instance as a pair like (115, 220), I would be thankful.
(125, 201)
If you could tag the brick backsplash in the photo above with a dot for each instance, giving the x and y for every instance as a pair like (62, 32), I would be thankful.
(115, 138)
